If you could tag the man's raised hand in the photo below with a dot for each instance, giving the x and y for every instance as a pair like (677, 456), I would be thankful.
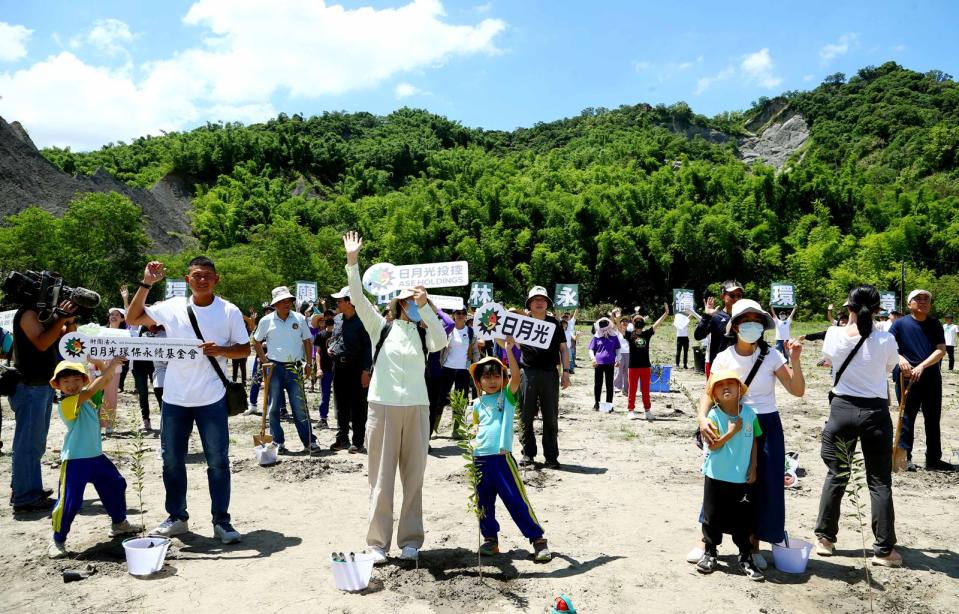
(352, 243)
(154, 272)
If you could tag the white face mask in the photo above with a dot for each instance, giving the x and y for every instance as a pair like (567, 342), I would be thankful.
(750, 332)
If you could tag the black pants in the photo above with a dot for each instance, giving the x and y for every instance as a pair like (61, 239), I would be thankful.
(926, 396)
(434, 391)
(141, 379)
(600, 373)
(158, 393)
(852, 418)
(458, 379)
(350, 398)
(951, 353)
(239, 364)
(540, 389)
(123, 375)
(682, 347)
(727, 508)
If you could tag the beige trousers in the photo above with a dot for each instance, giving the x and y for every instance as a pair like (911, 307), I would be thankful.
(396, 436)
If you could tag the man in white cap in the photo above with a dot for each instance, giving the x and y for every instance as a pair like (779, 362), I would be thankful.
(541, 383)
(921, 347)
(352, 353)
(289, 344)
(713, 323)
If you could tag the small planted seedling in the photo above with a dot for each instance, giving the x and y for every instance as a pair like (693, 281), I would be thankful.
(854, 469)
(465, 443)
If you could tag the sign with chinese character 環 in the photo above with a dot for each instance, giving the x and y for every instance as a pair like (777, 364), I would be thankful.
(887, 301)
(449, 303)
(383, 278)
(77, 346)
(175, 288)
(782, 294)
(305, 292)
(567, 296)
(683, 299)
(481, 292)
(491, 321)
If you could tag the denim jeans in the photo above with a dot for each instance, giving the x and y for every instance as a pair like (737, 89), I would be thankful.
(211, 423)
(286, 378)
(32, 408)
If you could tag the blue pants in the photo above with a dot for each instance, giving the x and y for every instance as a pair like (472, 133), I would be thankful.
(74, 477)
(32, 407)
(499, 476)
(769, 492)
(286, 379)
(326, 387)
(211, 423)
(781, 347)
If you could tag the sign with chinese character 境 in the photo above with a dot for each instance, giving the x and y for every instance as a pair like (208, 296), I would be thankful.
(491, 321)
(481, 292)
(383, 278)
(782, 294)
(305, 292)
(77, 346)
(683, 299)
(567, 296)
(175, 288)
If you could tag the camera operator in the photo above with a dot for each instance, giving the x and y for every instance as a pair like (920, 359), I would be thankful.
(34, 356)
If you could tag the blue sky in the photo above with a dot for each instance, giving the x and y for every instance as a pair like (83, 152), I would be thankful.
(82, 74)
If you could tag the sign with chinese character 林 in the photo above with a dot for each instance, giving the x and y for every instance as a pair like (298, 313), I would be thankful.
(683, 299)
(887, 301)
(782, 294)
(567, 296)
(491, 321)
(383, 278)
(175, 288)
(78, 347)
(481, 292)
(305, 292)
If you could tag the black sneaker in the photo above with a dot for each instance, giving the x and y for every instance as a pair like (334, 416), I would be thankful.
(40, 505)
(324, 424)
(283, 450)
(749, 568)
(552, 465)
(911, 466)
(939, 465)
(707, 563)
(526, 462)
(595, 406)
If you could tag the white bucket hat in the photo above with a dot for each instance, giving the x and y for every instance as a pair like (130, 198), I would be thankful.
(538, 291)
(744, 306)
(281, 293)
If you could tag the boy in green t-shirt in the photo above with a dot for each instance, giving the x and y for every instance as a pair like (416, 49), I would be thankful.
(82, 458)
(728, 469)
(493, 411)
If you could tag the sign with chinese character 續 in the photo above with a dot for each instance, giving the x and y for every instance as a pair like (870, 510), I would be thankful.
(383, 278)
(77, 346)
(782, 294)
(175, 288)
(887, 301)
(683, 299)
(567, 296)
(481, 292)
(448, 303)
(305, 292)
(491, 321)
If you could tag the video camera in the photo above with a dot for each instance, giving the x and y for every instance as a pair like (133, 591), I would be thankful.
(46, 291)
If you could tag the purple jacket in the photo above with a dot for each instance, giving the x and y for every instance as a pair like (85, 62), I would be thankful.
(605, 349)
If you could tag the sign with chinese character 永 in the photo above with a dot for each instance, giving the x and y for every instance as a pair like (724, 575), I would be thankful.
(491, 321)
(782, 294)
(383, 278)
(683, 299)
(77, 346)
(887, 301)
(567, 296)
(305, 292)
(481, 292)
(175, 288)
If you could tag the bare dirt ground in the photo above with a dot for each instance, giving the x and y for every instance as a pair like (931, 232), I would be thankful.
(620, 516)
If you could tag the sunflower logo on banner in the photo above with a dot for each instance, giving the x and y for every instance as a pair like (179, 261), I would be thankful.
(487, 319)
(380, 279)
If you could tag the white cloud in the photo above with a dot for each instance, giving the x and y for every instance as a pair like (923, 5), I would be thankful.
(483, 8)
(253, 50)
(405, 90)
(758, 68)
(808, 78)
(705, 83)
(109, 36)
(642, 65)
(840, 47)
(13, 42)
(690, 64)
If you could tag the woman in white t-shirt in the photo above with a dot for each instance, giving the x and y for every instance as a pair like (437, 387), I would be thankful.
(859, 409)
(748, 322)
(783, 322)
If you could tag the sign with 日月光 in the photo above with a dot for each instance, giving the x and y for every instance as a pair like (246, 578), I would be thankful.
(77, 346)
(492, 321)
(383, 278)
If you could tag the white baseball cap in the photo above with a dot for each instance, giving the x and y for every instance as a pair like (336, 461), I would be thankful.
(343, 293)
(916, 293)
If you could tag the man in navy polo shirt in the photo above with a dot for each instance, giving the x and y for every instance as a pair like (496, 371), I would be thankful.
(921, 348)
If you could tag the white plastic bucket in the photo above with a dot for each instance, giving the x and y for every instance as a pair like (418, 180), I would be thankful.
(605, 407)
(266, 454)
(353, 575)
(794, 558)
(145, 555)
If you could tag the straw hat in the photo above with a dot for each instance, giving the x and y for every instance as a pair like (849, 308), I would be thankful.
(724, 374)
(483, 361)
(66, 365)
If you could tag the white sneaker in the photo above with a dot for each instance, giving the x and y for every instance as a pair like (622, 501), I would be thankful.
(694, 555)
(124, 528)
(651, 417)
(252, 411)
(378, 554)
(632, 415)
(56, 550)
(759, 561)
(409, 553)
(170, 528)
(226, 533)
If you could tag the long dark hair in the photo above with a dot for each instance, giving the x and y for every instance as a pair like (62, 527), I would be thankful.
(864, 301)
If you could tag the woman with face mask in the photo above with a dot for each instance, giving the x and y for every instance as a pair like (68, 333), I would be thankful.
(398, 427)
(753, 361)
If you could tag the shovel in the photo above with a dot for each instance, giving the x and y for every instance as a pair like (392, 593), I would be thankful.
(900, 458)
(262, 439)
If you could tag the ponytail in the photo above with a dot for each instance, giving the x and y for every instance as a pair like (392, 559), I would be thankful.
(864, 301)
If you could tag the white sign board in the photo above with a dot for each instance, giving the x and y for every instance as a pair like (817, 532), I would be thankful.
(491, 321)
(77, 346)
(449, 303)
(383, 278)
(481, 292)
(683, 299)
(305, 292)
(6, 319)
(887, 301)
(175, 288)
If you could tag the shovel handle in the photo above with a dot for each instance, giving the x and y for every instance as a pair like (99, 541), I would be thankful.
(267, 376)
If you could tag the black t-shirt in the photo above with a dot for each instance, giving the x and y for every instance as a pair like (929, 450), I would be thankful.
(548, 358)
(639, 348)
(36, 367)
(319, 342)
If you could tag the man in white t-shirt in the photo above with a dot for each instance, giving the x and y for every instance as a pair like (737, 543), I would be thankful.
(194, 391)
(783, 322)
(949, 331)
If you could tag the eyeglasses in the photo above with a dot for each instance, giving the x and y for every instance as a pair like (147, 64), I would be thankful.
(203, 276)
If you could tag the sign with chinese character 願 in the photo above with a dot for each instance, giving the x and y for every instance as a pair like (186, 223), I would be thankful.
(481, 292)
(683, 299)
(567, 296)
(76, 346)
(383, 278)
(449, 303)
(491, 321)
(305, 292)
(887, 301)
(782, 294)
(175, 288)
